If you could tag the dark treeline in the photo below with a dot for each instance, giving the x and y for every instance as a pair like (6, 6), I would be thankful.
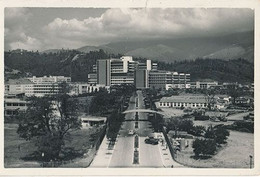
(238, 70)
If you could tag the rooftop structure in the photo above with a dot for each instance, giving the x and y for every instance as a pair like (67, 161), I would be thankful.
(50, 79)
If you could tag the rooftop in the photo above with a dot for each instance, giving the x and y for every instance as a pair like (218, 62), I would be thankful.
(19, 81)
(185, 99)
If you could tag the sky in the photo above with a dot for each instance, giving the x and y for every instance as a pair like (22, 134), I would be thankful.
(56, 28)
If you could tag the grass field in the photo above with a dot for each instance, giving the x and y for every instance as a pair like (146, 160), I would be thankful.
(171, 112)
(235, 154)
(13, 155)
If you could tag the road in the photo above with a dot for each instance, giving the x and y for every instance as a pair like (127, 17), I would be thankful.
(123, 153)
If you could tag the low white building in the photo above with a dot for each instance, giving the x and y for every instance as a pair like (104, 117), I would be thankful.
(82, 88)
(185, 101)
(89, 121)
(179, 86)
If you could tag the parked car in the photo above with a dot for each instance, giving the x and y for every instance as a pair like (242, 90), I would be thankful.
(152, 141)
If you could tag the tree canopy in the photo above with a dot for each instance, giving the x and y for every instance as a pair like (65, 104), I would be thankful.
(48, 121)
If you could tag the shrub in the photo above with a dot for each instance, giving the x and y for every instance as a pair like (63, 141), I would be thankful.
(201, 117)
(197, 130)
(244, 130)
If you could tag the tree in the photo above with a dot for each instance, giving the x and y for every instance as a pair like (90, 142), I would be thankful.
(204, 147)
(197, 130)
(180, 124)
(209, 95)
(234, 92)
(48, 120)
(218, 133)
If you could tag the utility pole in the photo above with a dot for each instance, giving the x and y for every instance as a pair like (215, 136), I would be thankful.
(251, 161)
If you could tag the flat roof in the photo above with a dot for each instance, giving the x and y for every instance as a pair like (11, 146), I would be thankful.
(19, 81)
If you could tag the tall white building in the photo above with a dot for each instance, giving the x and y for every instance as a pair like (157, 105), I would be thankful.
(126, 60)
(115, 71)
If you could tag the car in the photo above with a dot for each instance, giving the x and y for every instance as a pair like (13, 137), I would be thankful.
(131, 132)
(152, 141)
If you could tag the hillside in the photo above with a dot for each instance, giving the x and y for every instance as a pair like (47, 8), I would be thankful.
(238, 70)
(77, 65)
(67, 63)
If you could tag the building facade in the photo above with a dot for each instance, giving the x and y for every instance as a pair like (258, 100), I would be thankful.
(35, 86)
(185, 101)
(143, 74)
(13, 104)
(141, 78)
(167, 79)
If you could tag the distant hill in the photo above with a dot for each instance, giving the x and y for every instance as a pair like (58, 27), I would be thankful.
(233, 46)
(71, 63)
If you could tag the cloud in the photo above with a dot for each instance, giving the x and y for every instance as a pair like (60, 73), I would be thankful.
(16, 21)
(26, 42)
(134, 24)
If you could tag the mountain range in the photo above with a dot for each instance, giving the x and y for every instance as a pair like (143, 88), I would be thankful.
(232, 46)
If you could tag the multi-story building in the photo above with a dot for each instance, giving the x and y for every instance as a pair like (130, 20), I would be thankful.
(104, 72)
(18, 86)
(166, 79)
(34, 86)
(117, 71)
(50, 79)
(142, 74)
(13, 104)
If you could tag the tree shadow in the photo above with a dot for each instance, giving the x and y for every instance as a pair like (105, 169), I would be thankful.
(35, 156)
(66, 154)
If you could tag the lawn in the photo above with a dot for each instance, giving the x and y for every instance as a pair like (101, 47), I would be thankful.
(15, 148)
(172, 112)
(207, 123)
(12, 154)
(235, 154)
